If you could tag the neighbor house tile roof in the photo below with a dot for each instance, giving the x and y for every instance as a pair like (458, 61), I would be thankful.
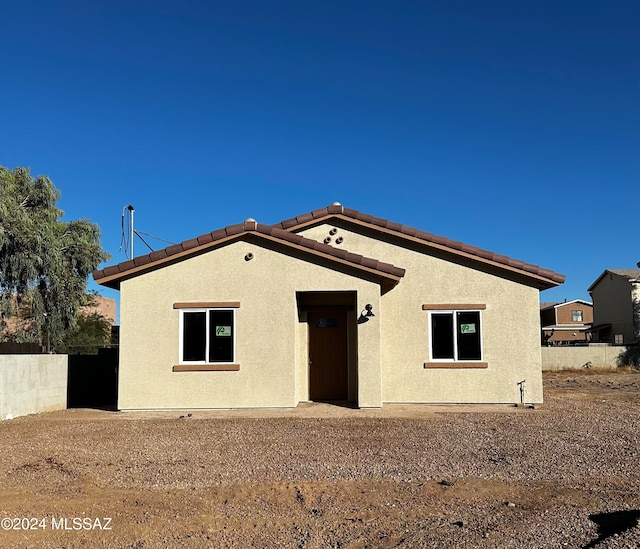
(548, 277)
(112, 276)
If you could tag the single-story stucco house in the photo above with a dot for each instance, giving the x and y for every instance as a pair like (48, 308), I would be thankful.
(331, 305)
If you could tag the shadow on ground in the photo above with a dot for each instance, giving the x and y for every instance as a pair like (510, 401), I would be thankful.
(610, 524)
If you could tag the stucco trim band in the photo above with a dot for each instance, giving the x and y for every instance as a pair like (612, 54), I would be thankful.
(453, 306)
(207, 305)
(452, 365)
(206, 368)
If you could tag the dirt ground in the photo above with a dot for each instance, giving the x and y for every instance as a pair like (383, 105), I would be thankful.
(565, 474)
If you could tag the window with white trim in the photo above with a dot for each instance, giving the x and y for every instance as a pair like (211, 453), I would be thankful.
(576, 316)
(455, 336)
(207, 336)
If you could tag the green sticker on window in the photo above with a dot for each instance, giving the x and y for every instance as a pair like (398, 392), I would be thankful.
(468, 328)
(223, 331)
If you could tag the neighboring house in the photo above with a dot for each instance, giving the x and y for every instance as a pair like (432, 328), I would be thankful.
(104, 306)
(255, 315)
(616, 306)
(566, 323)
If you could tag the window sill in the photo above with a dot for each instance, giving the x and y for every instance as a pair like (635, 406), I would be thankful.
(461, 365)
(206, 367)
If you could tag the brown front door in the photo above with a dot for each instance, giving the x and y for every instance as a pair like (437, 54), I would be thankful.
(328, 379)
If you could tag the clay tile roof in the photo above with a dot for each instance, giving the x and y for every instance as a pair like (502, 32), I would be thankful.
(250, 224)
(364, 217)
(552, 278)
(111, 270)
(188, 244)
(115, 273)
(174, 249)
(341, 253)
(473, 250)
(379, 222)
(423, 235)
(157, 255)
(285, 235)
(141, 260)
(125, 266)
(204, 239)
(234, 229)
(354, 258)
(289, 223)
(439, 239)
(368, 262)
(304, 218)
(218, 234)
(409, 231)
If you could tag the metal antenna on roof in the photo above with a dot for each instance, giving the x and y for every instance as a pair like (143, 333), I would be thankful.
(123, 240)
(131, 210)
(129, 232)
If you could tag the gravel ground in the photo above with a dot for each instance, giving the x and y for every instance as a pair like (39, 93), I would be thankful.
(564, 475)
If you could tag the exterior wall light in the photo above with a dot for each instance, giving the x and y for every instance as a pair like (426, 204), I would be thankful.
(366, 314)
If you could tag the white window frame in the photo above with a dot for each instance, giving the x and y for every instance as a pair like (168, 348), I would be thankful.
(207, 325)
(455, 335)
(577, 313)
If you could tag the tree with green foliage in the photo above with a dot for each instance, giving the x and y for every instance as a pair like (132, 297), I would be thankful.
(91, 332)
(44, 261)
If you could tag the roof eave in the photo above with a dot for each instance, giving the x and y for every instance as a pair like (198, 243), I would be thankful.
(539, 281)
(113, 280)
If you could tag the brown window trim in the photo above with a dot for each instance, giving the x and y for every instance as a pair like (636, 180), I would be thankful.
(206, 368)
(207, 305)
(454, 365)
(453, 306)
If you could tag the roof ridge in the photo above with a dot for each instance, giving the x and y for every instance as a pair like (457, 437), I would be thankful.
(250, 226)
(413, 233)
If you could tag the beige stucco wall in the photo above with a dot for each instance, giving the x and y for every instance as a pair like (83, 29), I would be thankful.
(271, 342)
(510, 325)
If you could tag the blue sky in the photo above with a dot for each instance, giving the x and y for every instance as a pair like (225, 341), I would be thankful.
(509, 125)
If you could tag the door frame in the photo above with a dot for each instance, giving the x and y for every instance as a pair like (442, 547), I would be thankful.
(324, 389)
(309, 302)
